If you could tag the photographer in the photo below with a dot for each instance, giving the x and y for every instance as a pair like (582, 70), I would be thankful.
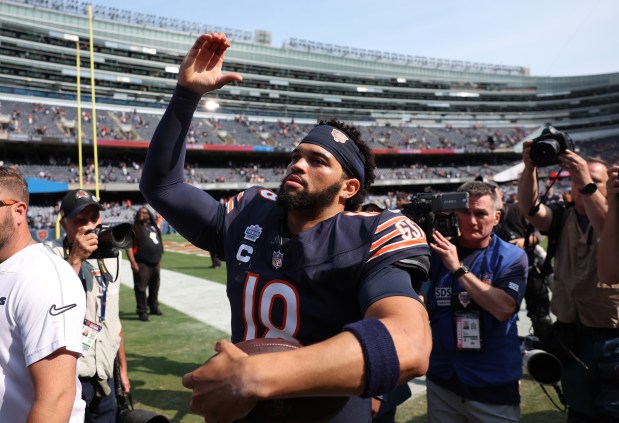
(587, 309)
(608, 265)
(478, 281)
(102, 334)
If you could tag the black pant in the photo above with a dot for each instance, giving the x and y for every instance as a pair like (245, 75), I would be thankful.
(147, 277)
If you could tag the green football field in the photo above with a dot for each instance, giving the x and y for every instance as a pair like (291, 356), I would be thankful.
(159, 352)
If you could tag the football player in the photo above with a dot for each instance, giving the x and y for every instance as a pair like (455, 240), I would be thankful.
(301, 265)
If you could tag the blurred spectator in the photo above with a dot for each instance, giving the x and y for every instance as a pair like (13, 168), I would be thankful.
(145, 259)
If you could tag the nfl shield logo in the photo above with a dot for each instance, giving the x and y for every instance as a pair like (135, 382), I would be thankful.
(278, 259)
(465, 298)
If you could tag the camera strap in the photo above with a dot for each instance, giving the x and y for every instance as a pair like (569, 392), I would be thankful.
(105, 272)
(533, 211)
(104, 278)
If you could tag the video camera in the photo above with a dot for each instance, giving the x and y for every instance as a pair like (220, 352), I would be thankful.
(546, 148)
(112, 239)
(434, 211)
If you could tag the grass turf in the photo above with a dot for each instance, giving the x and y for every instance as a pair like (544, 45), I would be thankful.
(159, 352)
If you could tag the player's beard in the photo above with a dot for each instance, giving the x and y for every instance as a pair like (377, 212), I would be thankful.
(7, 230)
(305, 200)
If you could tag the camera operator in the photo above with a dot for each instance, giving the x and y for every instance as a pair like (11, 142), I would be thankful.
(102, 335)
(587, 309)
(608, 260)
(478, 281)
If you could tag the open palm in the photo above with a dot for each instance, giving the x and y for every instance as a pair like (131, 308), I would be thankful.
(201, 68)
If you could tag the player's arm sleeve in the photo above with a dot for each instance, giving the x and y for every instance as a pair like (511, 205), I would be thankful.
(389, 281)
(184, 206)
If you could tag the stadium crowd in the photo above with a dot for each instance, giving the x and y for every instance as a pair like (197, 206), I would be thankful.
(37, 119)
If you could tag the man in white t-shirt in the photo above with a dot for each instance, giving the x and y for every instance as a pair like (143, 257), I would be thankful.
(42, 306)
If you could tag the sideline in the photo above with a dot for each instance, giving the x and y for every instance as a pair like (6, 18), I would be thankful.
(204, 300)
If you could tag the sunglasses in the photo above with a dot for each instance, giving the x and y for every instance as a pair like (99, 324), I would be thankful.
(8, 202)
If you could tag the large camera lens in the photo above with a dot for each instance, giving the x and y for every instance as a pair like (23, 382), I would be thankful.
(119, 236)
(122, 236)
(545, 152)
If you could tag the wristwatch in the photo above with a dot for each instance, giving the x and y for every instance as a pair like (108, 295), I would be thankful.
(463, 270)
(588, 189)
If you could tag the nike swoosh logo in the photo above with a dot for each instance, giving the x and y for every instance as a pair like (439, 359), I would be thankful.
(55, 311)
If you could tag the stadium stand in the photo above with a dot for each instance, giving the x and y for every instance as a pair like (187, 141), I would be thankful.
(433, 123)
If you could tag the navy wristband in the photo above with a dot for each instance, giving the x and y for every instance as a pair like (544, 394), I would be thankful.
(382, 366)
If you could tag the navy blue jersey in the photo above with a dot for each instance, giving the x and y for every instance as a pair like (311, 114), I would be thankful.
(310, 285)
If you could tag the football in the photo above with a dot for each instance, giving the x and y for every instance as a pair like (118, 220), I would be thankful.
(288, 410)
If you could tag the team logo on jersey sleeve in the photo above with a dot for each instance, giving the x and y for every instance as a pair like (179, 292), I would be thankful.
(253, 232)
(278, 259)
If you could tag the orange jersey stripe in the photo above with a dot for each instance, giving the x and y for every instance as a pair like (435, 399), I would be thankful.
(230, 204)
(390, 222)
(364, 214)
(397, 246)
(384, 239)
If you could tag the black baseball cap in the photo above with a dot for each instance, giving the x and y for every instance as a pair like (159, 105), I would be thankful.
(77, 200)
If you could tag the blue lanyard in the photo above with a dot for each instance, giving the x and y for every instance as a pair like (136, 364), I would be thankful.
(102, 280)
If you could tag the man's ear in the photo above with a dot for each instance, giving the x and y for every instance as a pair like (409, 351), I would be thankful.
(497, 216)
(21, 212)
(350, 188)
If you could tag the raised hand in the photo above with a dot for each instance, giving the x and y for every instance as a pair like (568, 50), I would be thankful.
(201, 67)
(446, 251)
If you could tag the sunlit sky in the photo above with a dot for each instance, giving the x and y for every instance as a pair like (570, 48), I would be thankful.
(550, 37)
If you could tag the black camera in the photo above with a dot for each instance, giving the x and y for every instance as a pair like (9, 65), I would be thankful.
(435, 211)
(112, 239)
(125, 412)
(546, 148)
(542, 366)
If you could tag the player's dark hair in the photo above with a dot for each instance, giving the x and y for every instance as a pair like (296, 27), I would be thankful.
(354, 203)
(13, 182)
